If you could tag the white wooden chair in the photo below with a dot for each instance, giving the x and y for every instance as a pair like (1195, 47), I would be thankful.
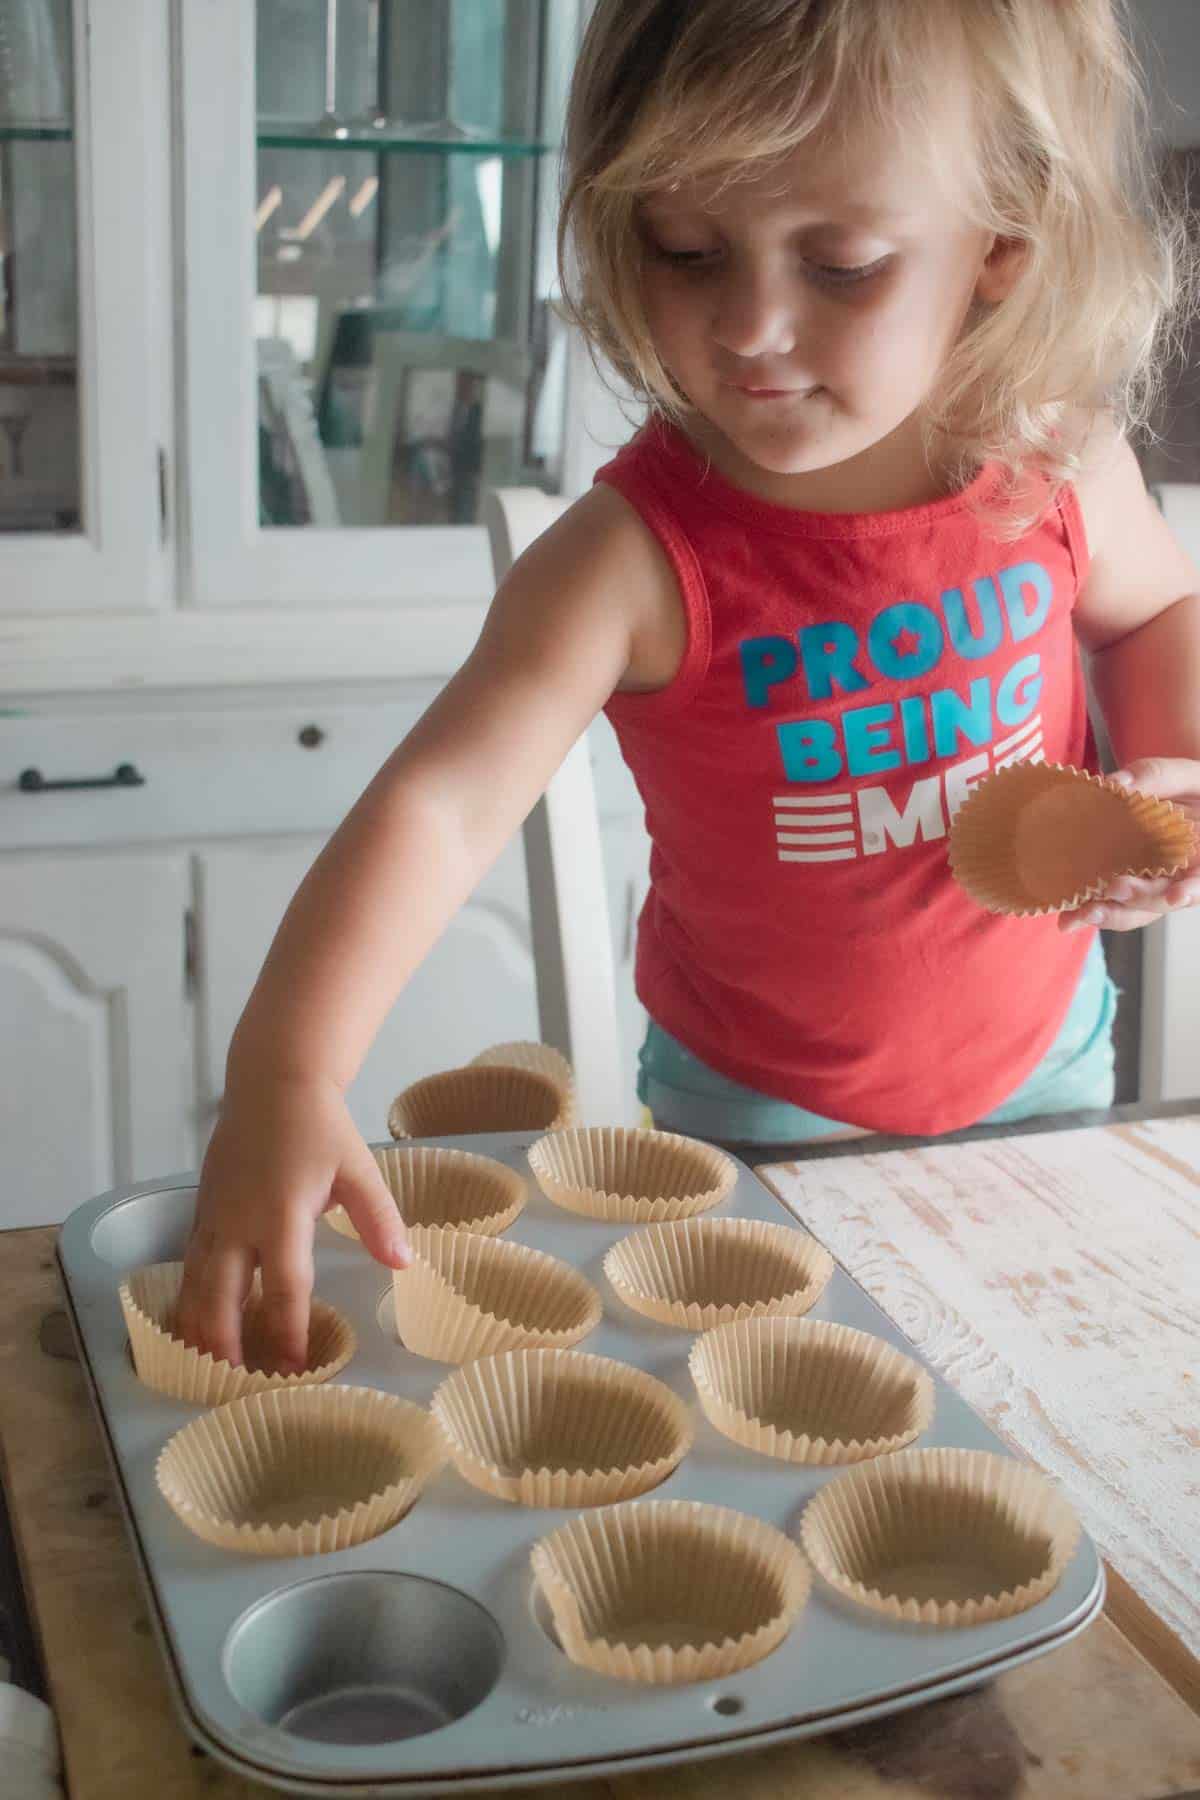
(568, 908)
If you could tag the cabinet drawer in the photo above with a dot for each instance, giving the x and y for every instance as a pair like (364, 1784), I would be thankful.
(213, 772)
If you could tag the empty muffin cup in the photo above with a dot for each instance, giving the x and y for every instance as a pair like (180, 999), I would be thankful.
(941, 1537)
(455, 1188)
(300, 1471)
(669, 1591)
(543, 1060)
(480, 1097)
(149, 1298)
(621, 1174)
(1042, 838)
(698, 1273)
(806, 1391)
(466, 1296)
(561, 1428)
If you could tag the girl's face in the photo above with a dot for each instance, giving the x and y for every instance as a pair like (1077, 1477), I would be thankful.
(806, 313)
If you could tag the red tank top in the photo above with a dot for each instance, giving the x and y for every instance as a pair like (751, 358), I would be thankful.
(847, 678)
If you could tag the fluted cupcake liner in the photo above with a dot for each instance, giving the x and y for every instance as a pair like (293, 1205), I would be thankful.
(455, 1188)
(480, 1097)
(301, 1471)
(561, 1428)
(941, 1537)
(149, 1298)
(1042, 837)
(806, 1391)
(543, 1060)
(670, 1591)
(622, 1174)
(699, 1273)
(466, 1296)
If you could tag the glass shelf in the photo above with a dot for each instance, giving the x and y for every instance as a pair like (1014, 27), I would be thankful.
(443, 136)
(52, 132)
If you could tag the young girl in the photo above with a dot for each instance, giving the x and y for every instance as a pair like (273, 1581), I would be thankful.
(886, 279)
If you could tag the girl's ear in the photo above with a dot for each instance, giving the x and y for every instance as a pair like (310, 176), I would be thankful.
(1001, 270)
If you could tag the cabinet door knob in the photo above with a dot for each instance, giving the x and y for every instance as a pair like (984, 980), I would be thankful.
(32, 781)
(310, 736)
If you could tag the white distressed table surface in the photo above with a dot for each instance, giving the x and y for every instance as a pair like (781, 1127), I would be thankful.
(1054, 1279)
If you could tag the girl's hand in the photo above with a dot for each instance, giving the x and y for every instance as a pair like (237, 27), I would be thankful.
(1129, 902)
(285, 1148)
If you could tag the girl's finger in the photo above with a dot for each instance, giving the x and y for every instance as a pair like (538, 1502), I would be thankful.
(216, 1282)
(287, 1283)
(361, 1189)
(1164, 776)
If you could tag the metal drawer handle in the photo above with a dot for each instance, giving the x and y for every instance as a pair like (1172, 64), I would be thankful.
(32, 781)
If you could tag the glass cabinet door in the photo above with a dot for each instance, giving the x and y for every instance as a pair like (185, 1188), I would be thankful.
(84, 306)
(377, 209)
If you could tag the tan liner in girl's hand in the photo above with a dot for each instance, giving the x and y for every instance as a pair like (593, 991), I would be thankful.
(163, 1361)
(670, 1591)
(561, 1428)
(456, 1188)
(1042, 838)
(810, 1392)
(521, 1054)
(481, 1097)
(941, 1537)
(704, 1272)
(466, 1296)
(300, 1471)
(615, 1173)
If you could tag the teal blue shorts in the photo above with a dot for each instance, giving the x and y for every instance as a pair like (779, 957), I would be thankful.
(1075, 1074)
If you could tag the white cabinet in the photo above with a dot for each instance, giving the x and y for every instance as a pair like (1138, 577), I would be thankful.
(475, 987)
(97, 1054)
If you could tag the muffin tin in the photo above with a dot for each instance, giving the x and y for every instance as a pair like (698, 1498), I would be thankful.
(424, 1661)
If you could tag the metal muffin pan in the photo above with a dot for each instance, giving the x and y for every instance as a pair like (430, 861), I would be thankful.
(422, 1662)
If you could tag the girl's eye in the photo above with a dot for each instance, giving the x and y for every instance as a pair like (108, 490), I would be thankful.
(846, 274)
(683, 259)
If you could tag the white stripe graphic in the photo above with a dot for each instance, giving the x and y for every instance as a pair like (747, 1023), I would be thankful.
(1023, 753)
(814, 819)
(814, 837)
(812, 800)
(1030, 728)
(816, 855)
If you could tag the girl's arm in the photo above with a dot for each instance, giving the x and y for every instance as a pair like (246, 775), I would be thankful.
(590, 606)
(1139, 615)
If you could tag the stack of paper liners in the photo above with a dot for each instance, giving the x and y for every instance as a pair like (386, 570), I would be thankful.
(561, 1428)
(466, 1296)
(1041, 838)
(480, 1097)
(300, 1471)
(670, 1591)
(433, 1186)
(941, 1537)
(619, 1174)
(543, 1060)
(705, 1272)
(163, 1361)
(809, 1392)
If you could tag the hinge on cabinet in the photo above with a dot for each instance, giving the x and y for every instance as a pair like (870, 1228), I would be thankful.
(162, 494)
(190, 956)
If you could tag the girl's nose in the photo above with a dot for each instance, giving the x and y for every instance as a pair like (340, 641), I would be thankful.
(755, 315)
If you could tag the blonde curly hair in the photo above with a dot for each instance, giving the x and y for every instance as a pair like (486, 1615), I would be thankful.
(665, 90)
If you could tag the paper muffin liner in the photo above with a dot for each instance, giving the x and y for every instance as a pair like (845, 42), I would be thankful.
(1041, 838)
(455, 1188)
(623, 1174)
(298, 1472)
(704, 1272)
(669, 1591)
(806, 1391)
(149, 1297)
(466, 1296)
(561, 1428)
(941, 1537)
(543, 1060)
(480, 1097)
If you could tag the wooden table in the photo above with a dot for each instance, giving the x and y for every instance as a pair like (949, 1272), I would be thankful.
(1092, 1720)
